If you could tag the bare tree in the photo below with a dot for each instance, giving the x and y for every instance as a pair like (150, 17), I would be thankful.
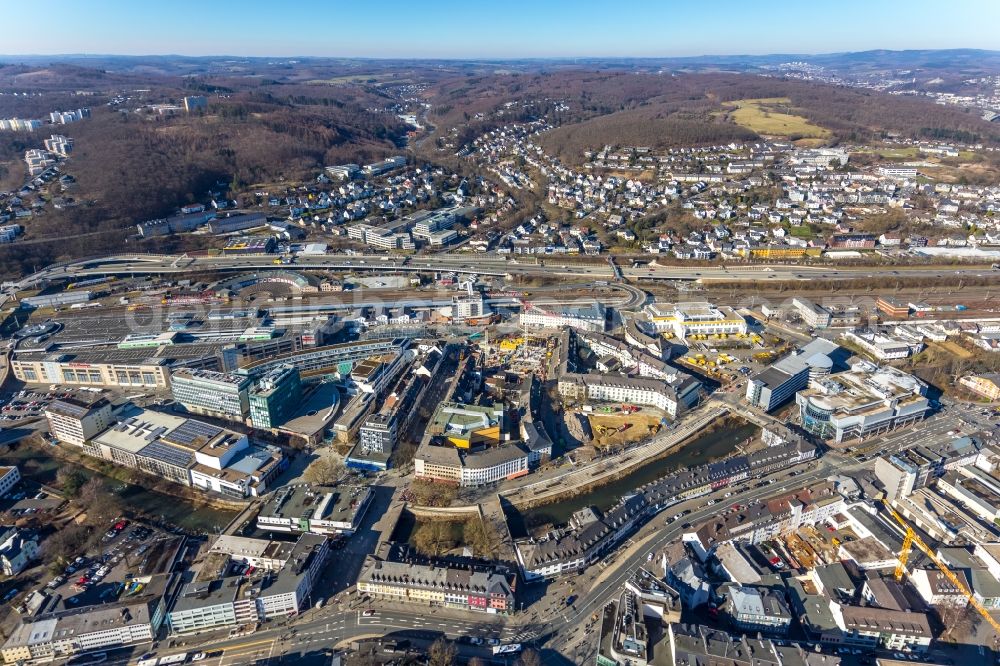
(98, 502)
(326, 469)
(529, 658)
(442, 653)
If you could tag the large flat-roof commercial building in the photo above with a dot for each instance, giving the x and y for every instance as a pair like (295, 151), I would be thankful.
(812, 314)
(884, 347)
(209, 393)
(471, 468)
(188, 452)
(59, 634)
(75, 420)
(864, 401)
(66, 368)
(695, 318)
(467, 426)
(315, 509)
(275, 397)
(218, 602)
(777, 384)
(329, 358)
(592, 317)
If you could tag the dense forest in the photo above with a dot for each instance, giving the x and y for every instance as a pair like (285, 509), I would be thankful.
(131, 163)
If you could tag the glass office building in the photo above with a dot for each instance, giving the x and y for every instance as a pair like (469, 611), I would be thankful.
(219, 394)
(276, 396)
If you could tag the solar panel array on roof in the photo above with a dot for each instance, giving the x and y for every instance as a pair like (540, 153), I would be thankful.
(163, 452)
(187, 432)
(70, 408)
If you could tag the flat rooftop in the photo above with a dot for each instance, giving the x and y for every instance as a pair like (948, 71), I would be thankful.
(693, 311)
(853, 391)
(319, 410)
(458, 419)
(316, 502)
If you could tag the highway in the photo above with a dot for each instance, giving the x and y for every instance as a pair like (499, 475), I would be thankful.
(137, 264)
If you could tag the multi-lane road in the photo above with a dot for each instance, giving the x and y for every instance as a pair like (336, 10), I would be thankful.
(138, 264)
(559, 629)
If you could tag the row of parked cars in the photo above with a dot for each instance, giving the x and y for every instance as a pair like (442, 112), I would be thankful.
(27, 404)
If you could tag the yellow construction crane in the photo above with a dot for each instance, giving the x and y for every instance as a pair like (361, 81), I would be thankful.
(911, 539)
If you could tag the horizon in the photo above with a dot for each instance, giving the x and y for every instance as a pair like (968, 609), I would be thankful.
(519, 30)
(700, 56)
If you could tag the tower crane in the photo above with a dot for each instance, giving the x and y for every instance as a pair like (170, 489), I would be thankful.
(912, 539)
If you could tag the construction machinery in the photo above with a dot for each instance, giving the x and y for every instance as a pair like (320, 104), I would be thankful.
(912, 539)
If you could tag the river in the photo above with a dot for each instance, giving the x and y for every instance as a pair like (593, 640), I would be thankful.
(174, 510)
(706, 448)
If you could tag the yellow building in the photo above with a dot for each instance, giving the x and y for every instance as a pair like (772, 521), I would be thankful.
(987, 385)
(781, 252)
(467, 426)
(696, 318)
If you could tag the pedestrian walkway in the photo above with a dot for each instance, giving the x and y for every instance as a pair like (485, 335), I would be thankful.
(604, 468)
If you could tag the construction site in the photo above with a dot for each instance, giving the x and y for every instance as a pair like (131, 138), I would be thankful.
(725, 357)
(613, 426)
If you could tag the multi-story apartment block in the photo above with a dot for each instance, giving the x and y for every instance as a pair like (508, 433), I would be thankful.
(757, 609)
(19, 124)
(59, 145)
(75, 420)
(37, 160)
(9, 477)
(673, 397)
(487, 591)
(986, 384)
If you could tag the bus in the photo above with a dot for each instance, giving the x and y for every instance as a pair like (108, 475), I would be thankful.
(510, 648)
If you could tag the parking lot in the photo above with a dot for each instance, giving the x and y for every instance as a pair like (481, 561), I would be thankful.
(31, 403)
(24, 500)
(126, 551)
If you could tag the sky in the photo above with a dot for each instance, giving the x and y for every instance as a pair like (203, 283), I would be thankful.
(492, 28)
